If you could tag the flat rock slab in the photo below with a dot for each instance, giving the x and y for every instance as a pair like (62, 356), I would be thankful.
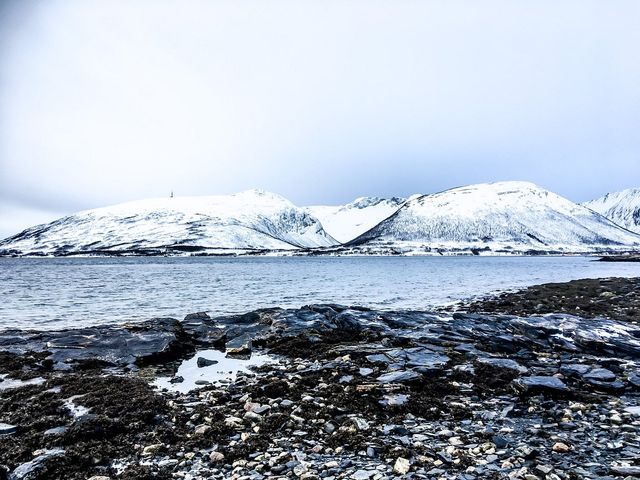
(578, 369)
(505, 363)
(633, 471)
(421, 357)
(542, 384)
(600, 375)
(29, 469)
(633, 410)
(399, 376)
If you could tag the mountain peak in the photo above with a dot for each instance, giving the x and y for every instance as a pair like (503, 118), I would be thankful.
(621, 207)
(250, 220)
(501, 217)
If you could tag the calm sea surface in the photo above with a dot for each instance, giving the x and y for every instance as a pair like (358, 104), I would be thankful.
(51, 293)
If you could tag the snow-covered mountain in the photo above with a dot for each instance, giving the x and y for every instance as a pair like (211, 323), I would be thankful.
(502, 217)
(346, 222)
(251, 220)
(622, 208)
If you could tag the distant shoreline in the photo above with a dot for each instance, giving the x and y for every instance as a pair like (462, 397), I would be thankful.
(605, 256)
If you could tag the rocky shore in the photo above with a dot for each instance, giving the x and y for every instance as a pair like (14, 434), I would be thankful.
(503, 388)
(620, 258)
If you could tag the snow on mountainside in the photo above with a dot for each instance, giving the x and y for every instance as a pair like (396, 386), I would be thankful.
(245, 221)
(346, 222)
(622, 208)
(500, 217)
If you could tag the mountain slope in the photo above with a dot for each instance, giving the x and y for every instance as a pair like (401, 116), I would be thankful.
(498, 217)
(346, 222)
(245, 221)
(621, 207)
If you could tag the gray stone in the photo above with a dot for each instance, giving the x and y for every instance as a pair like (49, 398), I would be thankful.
(26, 470)
(541, 383)
(205, 362)
(197, 316)
(600, 375)
(402, 466)
(578, 369)
(360, 423)
(398, 376)
(239, 347)
(626, 470)
(363, 474)
(505, 363)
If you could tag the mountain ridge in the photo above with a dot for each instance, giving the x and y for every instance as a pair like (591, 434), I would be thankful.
(622, 207)
(346, 222)
(448, 221)
(511, 217)
(249, 220)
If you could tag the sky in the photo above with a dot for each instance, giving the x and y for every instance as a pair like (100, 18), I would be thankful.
(320, 101)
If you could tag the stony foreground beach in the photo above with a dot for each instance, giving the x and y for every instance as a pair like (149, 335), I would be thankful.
(538, 384)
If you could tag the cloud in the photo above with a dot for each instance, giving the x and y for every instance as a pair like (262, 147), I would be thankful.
(102, 102)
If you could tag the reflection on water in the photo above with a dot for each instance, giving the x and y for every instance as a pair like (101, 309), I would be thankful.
(221, 368)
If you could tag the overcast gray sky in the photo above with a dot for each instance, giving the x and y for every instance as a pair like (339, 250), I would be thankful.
(321, 101)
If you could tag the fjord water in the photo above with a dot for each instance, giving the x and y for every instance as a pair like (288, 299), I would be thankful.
(52, 293)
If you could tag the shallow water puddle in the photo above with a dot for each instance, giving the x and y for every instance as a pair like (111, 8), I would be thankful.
(7, 383)
(217, 368)
(75, 409)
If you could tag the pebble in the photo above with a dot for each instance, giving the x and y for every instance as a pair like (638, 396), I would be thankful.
(402, 466)
(151, 449)
(216, 457)
(560, 447)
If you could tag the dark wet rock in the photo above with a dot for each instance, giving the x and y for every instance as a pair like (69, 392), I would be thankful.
(539, 383)
(616, 298)
(630, 470)
(600, 375)
(177, 379)
(157, 340)
(239, 347)
(505, 363)
(499, 441)
(420, 359)
(399, 376)
(197, 316)
(611, 386)
(205, 362)
(620, 258)
(204, 331)
(55, 431)
(575, 369)
(32, 468)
